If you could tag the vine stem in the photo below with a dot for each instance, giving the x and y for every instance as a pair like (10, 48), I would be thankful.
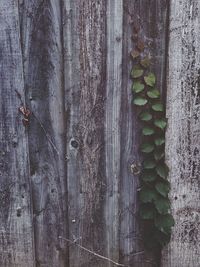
(46, 134)
(96, 254)
(40, 123)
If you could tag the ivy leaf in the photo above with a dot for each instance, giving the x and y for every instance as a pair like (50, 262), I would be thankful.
(137, 72)
(153, 93)
(148, 131)
(159, 154)
(147, 147)
(135, 54)
(149, 164)
(162, 205)
(150, 79)
(138, 87)
(147, 212)
(140, 101)
(147, 195)
(159, 141)
(145, 62)
(158, 107)
(163, 188)
(164, 223)
(160, 123)
(162, 171)
(148, 176)
(145, 116)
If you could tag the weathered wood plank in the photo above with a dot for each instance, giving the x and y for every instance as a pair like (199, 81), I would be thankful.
(16, 228)
(113, 125)
(41, 23)
(152, 19)
(183, 142)
(85, 49)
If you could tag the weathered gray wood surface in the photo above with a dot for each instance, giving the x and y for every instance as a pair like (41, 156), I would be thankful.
(69, 173)
(183, 142)
(41, 30)
(16, 228)
(85, 67)
(152, 19)
(102, 139)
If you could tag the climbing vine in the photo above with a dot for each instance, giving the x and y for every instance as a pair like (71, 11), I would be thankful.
(153, 195)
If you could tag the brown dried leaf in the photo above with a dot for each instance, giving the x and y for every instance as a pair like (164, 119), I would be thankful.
(140, 45)
(135, 54)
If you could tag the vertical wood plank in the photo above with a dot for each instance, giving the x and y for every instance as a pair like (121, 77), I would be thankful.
(130, 238)
(16, 228)
(152, 19)
(113, 124)
(183, 142)
(41, 23)
(85, 48)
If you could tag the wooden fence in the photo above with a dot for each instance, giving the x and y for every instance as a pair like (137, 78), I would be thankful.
(68, 173)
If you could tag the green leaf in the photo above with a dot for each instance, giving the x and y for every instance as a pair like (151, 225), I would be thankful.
(160, 123)
(138, 87)
(145, 116)
(159, 154)
(162, 205)
(158, 107)
(164, 223)
(137, 72)
(148, 131)
(159, 141)
(162, 170)
(148, 176)
(147, 147)
(135, 54)
(149, 164)
(153, 93)
(147, 212)
(145, 62)
(163, 188)
(140, 101)
(150, 79)
(147, 195)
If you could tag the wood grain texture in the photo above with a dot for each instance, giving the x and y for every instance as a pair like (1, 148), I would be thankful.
(97, 39)
(152, 19)
(113, 125)
(16, 228)
(85, 48)
(73, 64)
(151, 16)
(183, 142)
(41, 27)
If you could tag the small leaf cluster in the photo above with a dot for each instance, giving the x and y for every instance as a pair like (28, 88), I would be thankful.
(154, 201)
